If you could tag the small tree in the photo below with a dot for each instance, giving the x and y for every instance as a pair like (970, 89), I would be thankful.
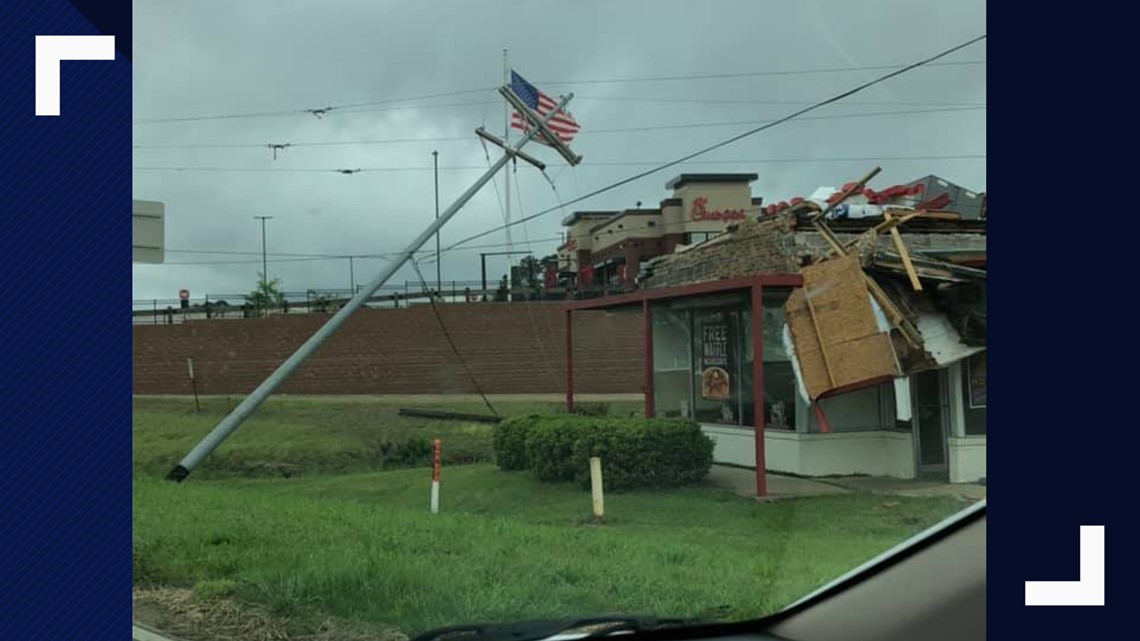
(321, 303)
(501, 294)
(267, 295)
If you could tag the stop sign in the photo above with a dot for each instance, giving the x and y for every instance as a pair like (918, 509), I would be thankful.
(184, 294)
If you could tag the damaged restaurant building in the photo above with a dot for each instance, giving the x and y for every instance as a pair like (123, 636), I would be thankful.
(840, 334)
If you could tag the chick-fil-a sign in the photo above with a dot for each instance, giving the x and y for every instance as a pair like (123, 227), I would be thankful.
(700, 211)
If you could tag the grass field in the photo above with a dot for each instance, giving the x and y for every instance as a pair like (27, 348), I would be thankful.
(359, 546)
(306, 436)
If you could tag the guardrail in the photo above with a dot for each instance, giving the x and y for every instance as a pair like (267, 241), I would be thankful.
(235, 306)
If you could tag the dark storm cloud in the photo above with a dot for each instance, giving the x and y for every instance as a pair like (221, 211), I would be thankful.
(212, 57)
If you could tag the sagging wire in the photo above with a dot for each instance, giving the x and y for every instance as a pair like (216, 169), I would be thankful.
(447, 335)
(495, 184)
(546, 360)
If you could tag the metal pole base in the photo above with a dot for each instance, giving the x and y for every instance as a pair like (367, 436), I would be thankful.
(177, 473)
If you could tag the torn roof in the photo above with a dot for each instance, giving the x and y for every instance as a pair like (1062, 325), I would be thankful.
(929, 193)
(935, 306)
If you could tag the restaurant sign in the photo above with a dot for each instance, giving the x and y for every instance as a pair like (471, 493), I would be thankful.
(700, 211)
(716, 360)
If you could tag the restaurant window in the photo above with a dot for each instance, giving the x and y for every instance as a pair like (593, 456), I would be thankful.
(694, 237)
(974, 394)
(718, 357)
(702, 367)
(780, 395)
(672, 368)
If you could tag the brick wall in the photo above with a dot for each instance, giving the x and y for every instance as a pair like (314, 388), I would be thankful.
(766, 247)
(772, 246)
(511, 349)
(811, 243)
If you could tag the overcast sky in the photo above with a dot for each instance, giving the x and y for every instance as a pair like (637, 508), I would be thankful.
(225, 58)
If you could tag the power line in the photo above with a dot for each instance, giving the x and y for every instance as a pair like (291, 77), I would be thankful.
(730, 140)
(753, 74)
(731, 102)
(297, 257)
(318, 112)
(602, 163)
(587, 132)
(266, 114)
(240, 253)
(360, 107)
(321, 143)
(799, 160)
(447, 335)
(256, 262)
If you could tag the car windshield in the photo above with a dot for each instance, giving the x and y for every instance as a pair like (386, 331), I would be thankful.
(466, 313)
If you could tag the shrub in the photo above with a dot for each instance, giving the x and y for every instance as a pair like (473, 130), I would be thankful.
(509, 442)
(549, 446)
(592, 409)
(635, 452)
(641, 453)
(414, 451)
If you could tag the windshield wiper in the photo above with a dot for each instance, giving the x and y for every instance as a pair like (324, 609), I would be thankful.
(584, 628)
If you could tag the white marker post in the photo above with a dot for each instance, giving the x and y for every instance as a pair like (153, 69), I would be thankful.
(436, 463)
(596, 488)
(193, 383)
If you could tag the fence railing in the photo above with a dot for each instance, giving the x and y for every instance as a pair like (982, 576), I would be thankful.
(327, 301)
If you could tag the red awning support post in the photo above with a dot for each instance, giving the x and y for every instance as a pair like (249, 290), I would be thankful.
(570, 361)
(757, 328)
(647, 316)
(821, 418)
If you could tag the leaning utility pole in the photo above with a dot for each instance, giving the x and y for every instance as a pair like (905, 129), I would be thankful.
(235, 418)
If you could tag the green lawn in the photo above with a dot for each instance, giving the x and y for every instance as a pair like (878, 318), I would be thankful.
(361, 546)
(300, 435)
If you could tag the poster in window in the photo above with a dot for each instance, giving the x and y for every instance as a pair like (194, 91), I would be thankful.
(976, 373)
(716, 360)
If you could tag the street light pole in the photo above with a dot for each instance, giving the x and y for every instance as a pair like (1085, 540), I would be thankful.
(438, 256)
(264, 262)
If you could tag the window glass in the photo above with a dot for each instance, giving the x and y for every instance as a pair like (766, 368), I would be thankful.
(717, 366)
(672, 366)
(780, 395)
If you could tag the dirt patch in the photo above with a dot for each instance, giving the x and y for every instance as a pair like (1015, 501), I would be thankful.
(181, 613)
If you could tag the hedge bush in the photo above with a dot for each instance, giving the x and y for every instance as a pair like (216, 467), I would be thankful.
(643, 453)
(509, 442)
(635, 452)
(592, 409)
(550, 445)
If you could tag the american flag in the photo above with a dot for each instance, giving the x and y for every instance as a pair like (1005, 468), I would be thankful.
(563, 125)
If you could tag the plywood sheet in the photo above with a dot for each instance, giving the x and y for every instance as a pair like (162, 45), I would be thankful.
(837, 340)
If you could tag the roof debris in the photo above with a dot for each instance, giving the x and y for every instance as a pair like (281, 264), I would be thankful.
(935, 307)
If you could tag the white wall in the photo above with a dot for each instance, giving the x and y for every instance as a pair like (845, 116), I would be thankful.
(967, 459)
(874, 453)
(733, 445)
(858, 410)
(967, 454)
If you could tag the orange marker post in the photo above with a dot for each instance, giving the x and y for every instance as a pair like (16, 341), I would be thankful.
(436, 463)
